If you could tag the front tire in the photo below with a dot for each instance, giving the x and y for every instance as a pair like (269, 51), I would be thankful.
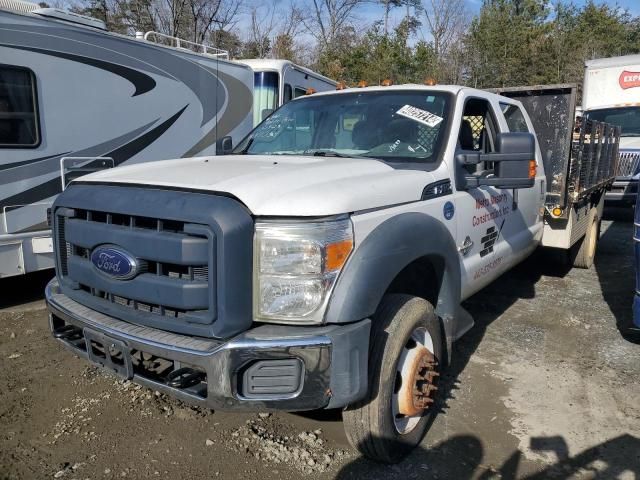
(405, 362)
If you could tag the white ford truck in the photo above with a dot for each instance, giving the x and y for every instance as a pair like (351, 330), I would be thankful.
(323, 263)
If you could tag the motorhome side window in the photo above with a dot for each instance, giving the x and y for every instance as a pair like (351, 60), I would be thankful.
(18, 119)
(514, 117)
(478, 131)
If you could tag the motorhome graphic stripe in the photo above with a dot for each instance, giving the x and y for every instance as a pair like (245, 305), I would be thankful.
(130, 149)
(142, 82)
(119, 155)
(27, 162)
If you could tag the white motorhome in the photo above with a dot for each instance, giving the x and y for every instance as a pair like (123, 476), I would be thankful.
(76, 98)
(612, 94)
(278, 81)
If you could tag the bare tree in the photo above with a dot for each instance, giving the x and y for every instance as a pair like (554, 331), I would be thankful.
(261, 28)
(211, 16)
(286, 44)
(445, 22)
(328, 17)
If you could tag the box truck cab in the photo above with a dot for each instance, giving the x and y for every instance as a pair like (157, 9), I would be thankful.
(612, 94)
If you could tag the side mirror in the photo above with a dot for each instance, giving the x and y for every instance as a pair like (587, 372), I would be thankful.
(514, 163)
(265, 113)
(224, 145)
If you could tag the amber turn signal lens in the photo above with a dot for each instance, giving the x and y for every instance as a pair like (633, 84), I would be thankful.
(556, 212)
(337, 254)
(533, 169)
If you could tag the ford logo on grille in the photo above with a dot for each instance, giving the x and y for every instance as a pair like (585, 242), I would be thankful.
(114, 262)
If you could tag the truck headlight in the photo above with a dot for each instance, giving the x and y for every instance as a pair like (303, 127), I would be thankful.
(295, 268)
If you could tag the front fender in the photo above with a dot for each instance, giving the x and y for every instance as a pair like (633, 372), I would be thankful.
(383, 254)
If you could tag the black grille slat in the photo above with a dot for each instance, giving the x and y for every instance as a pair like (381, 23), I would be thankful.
(170, 247)
(65, 248)
(628, 164)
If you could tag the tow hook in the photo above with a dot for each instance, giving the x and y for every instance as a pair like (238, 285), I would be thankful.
(67, 332)
(184, 377)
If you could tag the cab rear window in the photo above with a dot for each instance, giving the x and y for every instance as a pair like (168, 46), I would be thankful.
(514, 117)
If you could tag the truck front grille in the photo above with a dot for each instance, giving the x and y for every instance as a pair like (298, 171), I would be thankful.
(628, 163)
(191, 255)
(173, 280)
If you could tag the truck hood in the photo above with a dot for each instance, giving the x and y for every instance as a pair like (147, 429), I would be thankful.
(629, 143)
(282, 185)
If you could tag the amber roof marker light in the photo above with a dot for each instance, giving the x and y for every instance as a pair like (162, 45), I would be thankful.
(430, 81)
(341, 85)
(387, 82)
(362, 84)
(310, 91)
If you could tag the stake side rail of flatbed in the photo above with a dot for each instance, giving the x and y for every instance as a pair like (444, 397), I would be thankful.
(578, 159)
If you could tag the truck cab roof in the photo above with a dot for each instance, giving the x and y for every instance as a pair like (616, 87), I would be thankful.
(454, 89)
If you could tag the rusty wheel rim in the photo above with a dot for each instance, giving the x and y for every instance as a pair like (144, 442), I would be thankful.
(415, 381)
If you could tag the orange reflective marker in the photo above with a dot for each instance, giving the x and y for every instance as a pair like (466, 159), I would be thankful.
(337, 254)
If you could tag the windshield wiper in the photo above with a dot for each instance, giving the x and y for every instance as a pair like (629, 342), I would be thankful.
(330, 153)
(326, 153)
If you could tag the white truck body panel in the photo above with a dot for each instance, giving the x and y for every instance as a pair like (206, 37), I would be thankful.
(565, 234)
(611, 82)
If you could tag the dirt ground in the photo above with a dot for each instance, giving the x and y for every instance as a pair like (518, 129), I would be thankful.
(544, 386)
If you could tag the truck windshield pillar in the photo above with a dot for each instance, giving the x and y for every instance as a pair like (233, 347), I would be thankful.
(265, 96)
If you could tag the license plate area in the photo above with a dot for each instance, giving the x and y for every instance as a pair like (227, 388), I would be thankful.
(109, 353)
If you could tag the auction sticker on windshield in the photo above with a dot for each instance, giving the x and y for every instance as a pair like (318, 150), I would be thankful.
(419, 115)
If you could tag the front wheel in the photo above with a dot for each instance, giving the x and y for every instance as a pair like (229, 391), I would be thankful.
(404, 366)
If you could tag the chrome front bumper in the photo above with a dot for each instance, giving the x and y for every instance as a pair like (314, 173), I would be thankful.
(623, 192)
(266, 368)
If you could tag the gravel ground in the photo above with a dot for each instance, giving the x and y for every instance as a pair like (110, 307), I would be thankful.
(544, 386)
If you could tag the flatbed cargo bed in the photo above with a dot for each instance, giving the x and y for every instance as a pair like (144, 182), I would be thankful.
(578, 159)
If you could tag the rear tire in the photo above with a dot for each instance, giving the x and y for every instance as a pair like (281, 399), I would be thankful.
(587, 247)
(373, 425)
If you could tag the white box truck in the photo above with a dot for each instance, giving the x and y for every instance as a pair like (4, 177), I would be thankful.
(612, 94)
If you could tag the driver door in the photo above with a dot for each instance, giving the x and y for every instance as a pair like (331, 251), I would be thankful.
(484, 212)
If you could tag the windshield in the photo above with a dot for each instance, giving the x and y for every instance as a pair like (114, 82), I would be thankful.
(627, 118)
(398, 126)
(265, 96)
